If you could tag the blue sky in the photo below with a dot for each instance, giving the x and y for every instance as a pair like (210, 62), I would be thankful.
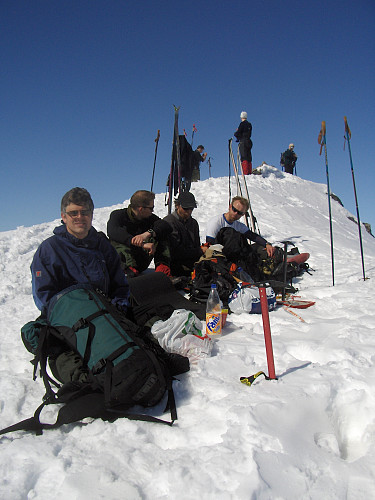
(86, 84)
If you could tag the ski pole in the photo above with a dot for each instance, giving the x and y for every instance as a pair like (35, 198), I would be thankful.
(173, 162)
(230, 193)
(252, 217)
(156, 151)
(209, 166)
(231, 159)
(192, 135)
(323, 144)
(178, 151)
(239, 188)
(348, 137)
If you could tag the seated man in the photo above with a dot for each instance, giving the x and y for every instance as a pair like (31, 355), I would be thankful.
(236, 210)
(77, 253)
(139, 236)
(184, 241)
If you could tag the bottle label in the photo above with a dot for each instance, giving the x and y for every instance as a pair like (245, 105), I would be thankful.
(213, 323)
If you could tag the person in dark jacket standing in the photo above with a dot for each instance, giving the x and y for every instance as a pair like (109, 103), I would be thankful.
(77, 253)
(184, 240)
(288, 159)
(139, 236)
(243, 134)
(197, 157)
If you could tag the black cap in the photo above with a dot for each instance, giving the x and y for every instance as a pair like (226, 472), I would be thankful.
(186, 200)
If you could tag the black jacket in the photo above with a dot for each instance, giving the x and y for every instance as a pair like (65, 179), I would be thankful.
(288, 158)
(63, 260)
(243, 133)
(184, 241)
(196, 159)
(122, 226)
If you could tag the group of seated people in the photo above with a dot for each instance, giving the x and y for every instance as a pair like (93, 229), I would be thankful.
(77, 253)
(174, 243)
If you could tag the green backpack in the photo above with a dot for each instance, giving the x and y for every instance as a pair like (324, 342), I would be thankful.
(121, 365)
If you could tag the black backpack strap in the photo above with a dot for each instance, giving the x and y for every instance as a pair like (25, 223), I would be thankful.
(30, 424)
(41, 360)
(83, 323)
(88, 405)
(81, 404)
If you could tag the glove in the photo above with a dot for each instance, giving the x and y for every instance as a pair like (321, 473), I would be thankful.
(162, 268)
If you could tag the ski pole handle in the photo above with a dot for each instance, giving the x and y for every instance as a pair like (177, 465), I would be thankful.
(347, 129)
(322, 136)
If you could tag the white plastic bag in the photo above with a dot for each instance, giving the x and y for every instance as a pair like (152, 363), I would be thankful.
(195, 348)
(247, 300)
(183, 334)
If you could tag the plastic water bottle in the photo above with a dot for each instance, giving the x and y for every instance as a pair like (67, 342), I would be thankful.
(213, 312)
(244, 276)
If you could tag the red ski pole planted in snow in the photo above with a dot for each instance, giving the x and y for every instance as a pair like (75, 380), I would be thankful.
(267, 332)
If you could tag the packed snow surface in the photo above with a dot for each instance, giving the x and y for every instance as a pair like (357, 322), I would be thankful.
(307, 435)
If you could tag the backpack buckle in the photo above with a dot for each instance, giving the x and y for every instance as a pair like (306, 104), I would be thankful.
(99, 366)
(79, 324)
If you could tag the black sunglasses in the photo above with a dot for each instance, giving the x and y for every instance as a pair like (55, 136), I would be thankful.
(238, 211)
(75, 213)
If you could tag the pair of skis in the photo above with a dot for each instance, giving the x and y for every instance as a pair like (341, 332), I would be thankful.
(323, 144)
(236, 167)
(174, 180)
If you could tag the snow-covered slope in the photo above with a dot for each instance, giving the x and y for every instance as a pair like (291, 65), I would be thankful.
(310, 434)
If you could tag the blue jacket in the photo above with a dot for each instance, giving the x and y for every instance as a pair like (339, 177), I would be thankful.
(63, 260)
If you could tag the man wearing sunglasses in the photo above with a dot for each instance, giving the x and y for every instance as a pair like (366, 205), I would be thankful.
(139, 235)
(237, 209)
(77, 253)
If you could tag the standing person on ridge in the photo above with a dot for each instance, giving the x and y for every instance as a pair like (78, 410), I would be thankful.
(288, 159)
(243, 134)
(197, 157)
